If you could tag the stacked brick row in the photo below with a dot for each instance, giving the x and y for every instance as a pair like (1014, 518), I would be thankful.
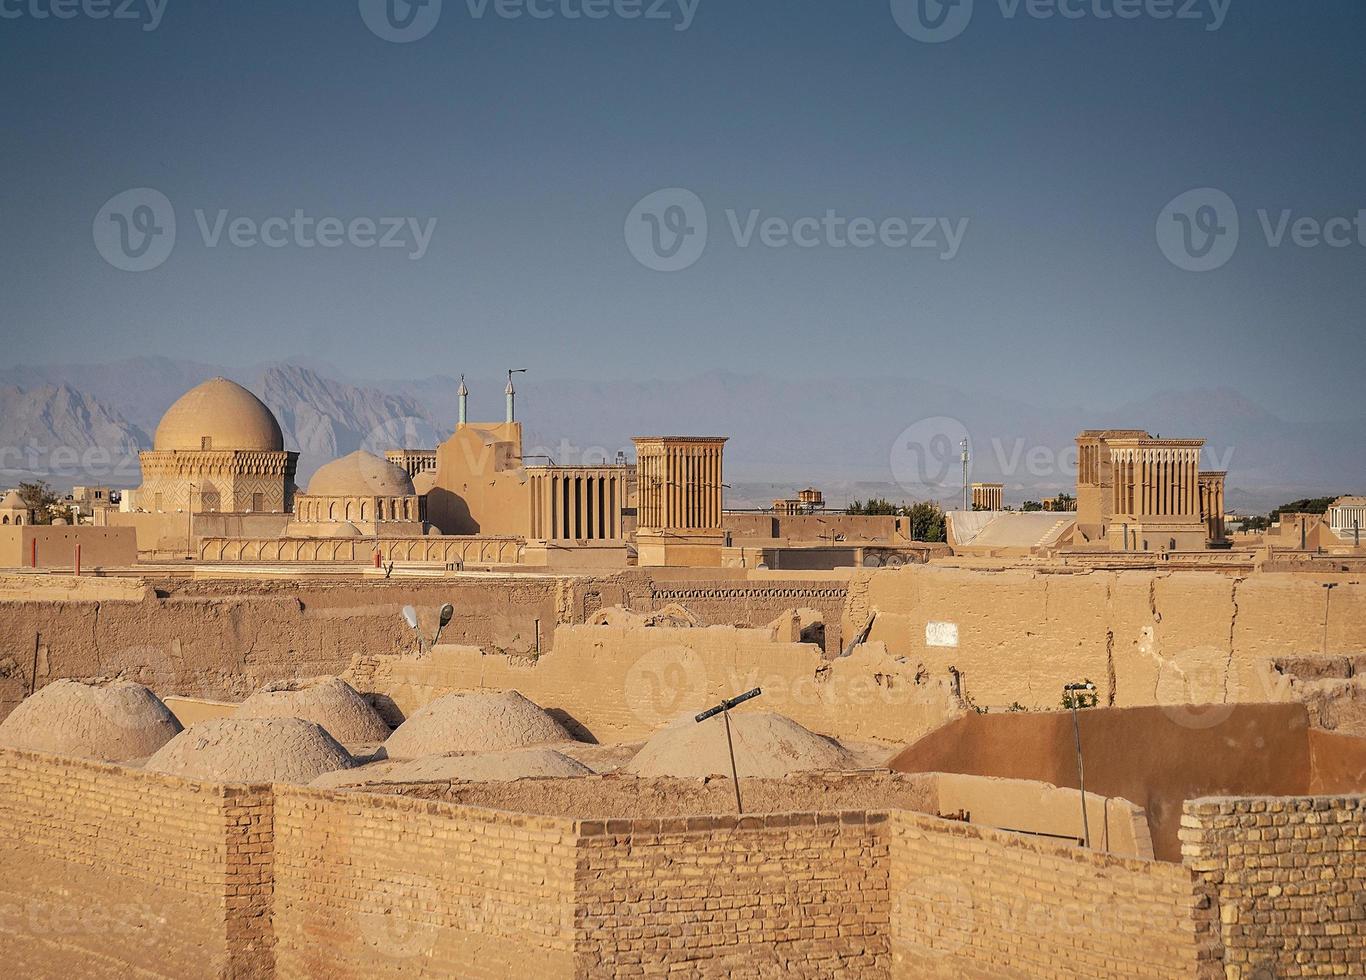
(1288, 879)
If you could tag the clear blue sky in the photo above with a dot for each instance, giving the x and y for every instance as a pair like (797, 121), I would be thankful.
(1059, 140)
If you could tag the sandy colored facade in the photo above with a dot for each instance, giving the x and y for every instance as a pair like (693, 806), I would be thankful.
(54, 546)
(680, 482)
(262, 881)
(1000, 636)
(1138, 493)
(218, 448)
(988, 496)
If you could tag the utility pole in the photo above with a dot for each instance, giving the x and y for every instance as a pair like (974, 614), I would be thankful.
(966, 488)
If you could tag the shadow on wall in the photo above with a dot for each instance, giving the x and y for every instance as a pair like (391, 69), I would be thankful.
(449, 513)
(1156, 757)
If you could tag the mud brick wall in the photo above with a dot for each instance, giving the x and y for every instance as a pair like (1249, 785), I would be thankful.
(791, 895)
(615, 683)
(971, 902)
(1144, 637)
(108, 868)
(381, 886)
(1288, 876)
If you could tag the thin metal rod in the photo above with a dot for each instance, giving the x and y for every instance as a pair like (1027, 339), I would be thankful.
(734, 775)
(1081, 778)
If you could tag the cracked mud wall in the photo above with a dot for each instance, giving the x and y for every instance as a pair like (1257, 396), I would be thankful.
(1141, 637)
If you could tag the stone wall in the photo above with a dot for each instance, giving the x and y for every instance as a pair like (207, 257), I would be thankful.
(111, 870)
(1143, 637)
(1288, 880)
(380, 886)
(223, 638)
(614, 683)
(791, 895)
(970, 903)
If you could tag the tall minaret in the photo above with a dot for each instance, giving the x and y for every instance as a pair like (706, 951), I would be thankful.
(511, 391)
(464, 401)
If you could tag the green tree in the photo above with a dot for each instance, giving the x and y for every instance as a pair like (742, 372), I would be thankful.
(39, 498)
(927, 521)
(876, 506)
(1305, 505)
(1029, 505)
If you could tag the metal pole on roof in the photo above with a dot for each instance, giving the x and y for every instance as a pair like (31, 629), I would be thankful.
(1077, 692)
(723, 709)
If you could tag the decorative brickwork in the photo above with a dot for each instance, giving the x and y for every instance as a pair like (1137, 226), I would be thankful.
(1288, 879)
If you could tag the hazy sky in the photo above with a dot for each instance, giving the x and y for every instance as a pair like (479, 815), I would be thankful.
(1043, 148)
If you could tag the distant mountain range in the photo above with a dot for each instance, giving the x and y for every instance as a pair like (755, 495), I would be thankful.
(853, 437)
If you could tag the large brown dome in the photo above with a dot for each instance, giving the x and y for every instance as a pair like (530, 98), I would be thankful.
(219, 414)
(361, 474)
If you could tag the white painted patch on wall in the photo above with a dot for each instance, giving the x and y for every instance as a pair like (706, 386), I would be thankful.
(941, 634)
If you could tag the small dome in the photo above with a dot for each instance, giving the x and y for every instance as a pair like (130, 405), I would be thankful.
(767, 745)
(12, 501)
(251, 750)
(361, 474)
(475, 723)
(114, 722)
(219, 414)
(327, 701)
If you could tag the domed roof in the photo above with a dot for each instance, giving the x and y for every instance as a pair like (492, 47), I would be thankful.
(462, 722)
(361, 474)
(12, 501)
(251, 750)
(326, 701)
(219, 414)
(113, 721)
